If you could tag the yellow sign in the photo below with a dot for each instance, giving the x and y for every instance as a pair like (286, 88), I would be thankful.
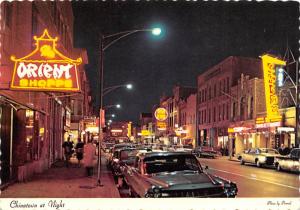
(161, 114)
(45, 68)
(161, 125)
(145, 133)
(269, 64)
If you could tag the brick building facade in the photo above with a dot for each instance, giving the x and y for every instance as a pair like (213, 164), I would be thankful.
(214, 97)
(33, 124)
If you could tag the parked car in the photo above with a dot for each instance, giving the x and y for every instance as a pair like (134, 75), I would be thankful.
(206, 152)
(107, 146)
(290, 162)
(121, 157)
(173, 174)
(259, 156)
(114, 154)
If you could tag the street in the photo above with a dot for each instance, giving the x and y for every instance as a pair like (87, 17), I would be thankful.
(253, 181)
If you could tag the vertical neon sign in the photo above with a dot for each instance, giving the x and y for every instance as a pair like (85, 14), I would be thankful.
(269, 64)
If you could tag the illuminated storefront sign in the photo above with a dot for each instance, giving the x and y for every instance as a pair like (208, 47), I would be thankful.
(285, 129)
(145, 133)
(45, 68)
(238, 129)
(161, 125)
(161, 114)
(269, 65)
(268, 125)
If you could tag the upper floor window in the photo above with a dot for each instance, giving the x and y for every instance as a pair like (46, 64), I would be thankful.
(251, 108)
(215, 90)
(8, 13)
(242, 108)
(233, 110)
(227, 84)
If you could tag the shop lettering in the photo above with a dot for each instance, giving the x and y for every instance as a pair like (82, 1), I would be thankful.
(44, 70)
(48, 83)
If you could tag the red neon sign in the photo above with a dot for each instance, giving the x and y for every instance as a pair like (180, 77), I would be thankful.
(45, 68)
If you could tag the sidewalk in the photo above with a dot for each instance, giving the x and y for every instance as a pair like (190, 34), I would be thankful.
(62, 182)
(228, 158)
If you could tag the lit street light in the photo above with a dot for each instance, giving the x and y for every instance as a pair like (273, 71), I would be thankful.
(123, 34)
(109, 89)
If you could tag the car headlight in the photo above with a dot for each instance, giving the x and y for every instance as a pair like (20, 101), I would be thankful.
(230, 190)
(154, 192)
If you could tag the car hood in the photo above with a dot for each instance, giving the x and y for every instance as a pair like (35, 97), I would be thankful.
(270, 155)
(183, 180)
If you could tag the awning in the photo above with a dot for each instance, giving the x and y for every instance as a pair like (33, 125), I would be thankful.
(16, 105)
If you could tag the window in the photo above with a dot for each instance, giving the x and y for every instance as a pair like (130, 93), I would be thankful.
(215, 90)
(204, 116)
(220, 114)
(214, 114)
(223, 110)
(199, 117)
(242, 108)
(251, 108)
(209, 116)
(34, 21)
(205, 94)
(224, 86)
(220, 88)
(227, 84)
(209, 93)
(227, 111)
(8, 13)
(233, 110)
(200, 97)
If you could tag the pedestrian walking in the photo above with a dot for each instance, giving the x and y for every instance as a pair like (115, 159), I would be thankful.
(68, 150)
(79, 151)
(89, 151)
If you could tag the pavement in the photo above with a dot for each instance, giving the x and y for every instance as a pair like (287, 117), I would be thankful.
(228, 158)
(62, 182)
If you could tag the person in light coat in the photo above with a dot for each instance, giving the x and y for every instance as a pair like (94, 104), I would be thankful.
(89, 152)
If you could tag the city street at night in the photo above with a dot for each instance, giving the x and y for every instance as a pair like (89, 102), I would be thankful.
(253, 181)
(123, 99)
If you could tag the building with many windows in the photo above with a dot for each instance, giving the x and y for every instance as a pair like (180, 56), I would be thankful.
(214, 97)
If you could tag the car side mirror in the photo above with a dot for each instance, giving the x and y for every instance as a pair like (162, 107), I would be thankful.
(206, 167)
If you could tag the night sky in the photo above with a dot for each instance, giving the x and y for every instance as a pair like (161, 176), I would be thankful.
(196, 36)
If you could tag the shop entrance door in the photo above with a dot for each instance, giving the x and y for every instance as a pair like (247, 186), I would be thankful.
(5, 126)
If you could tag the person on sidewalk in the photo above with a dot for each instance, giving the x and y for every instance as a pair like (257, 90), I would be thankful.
(68, 150)
(89, 152)
(79, 151)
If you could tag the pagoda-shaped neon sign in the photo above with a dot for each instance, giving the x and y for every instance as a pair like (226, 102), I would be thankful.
(45, 68)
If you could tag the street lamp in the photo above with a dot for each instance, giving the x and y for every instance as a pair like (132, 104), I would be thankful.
(109, 89)
(156, 32)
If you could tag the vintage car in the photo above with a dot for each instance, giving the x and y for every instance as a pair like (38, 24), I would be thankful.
(259, 156)
(114, 153)
(289, 162)
(206, 152)
(173, 174)
(121, 157)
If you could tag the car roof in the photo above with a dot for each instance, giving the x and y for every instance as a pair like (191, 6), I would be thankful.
(163, 154)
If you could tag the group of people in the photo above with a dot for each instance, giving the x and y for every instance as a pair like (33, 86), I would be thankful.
(85, 152)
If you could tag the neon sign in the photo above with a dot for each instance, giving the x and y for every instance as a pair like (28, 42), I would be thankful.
(45, 68)
(269, 64)
(161, 114)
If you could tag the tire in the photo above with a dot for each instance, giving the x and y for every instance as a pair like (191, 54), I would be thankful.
(242, 162)
(278, 168)
(131, 194)
(258, 163)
